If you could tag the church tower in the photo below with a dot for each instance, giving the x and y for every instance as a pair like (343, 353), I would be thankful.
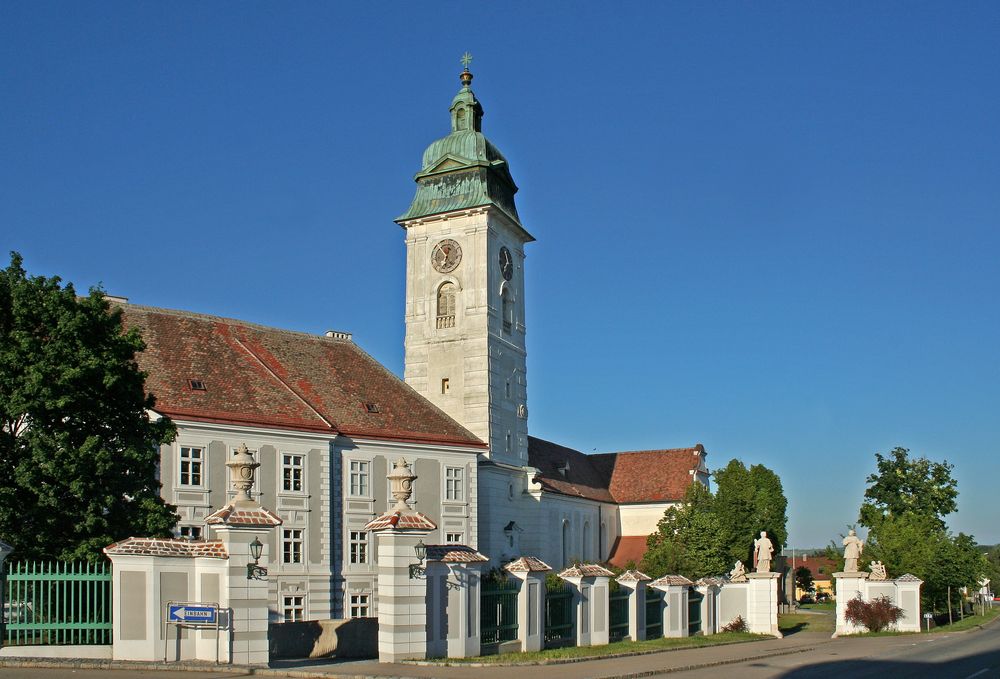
(465, 333)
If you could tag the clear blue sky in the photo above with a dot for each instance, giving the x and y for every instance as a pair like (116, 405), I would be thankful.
(771, 228)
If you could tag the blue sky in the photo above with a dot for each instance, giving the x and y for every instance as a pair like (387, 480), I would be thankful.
(771, 228)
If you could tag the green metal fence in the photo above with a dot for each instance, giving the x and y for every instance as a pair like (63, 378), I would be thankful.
(498, 606)
(618, 603)
(654, 613)
(694, 611)
(57, 603)
(559, 618)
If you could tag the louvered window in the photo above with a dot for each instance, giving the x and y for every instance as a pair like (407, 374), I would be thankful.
(446, 306)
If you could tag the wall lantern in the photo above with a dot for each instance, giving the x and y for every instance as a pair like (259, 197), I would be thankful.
(254, 571)
(417, 569)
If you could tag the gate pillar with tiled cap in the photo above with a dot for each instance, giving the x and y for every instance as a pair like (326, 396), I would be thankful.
(635, 582)
(150, 573)
(530, 601)
(591, 602)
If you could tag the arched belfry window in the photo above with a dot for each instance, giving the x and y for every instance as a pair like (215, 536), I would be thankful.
(506, 309)
(446, 305)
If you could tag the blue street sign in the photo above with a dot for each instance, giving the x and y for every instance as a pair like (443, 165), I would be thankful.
(193, 614)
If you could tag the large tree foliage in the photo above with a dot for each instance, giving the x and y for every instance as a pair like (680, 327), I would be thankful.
(748, 501)
(78, 452)
(903, 485)
(905, 505)
(707, 533)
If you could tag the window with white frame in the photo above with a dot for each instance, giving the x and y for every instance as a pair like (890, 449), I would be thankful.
(358, 546)
(291, 545)
(293, 607)
(191, 468)
(359, 478)
(190, 532)
(454, 484)
(291, 472)
(360, 606)
(454, 538)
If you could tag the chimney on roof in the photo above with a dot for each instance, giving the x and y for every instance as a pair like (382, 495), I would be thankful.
(338, 334)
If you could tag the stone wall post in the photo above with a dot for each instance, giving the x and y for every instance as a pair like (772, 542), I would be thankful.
(590, 602)
(530, 601)
(675, 612)
(634, 583)
(762, 603)
(908, 598)
(453, 589)
(247, 599)
(710, 589)
(848, 586)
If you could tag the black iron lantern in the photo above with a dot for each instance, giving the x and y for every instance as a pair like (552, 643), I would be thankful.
(254, 571)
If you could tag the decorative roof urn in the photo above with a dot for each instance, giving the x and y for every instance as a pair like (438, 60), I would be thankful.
(401, 480)
(241, 470)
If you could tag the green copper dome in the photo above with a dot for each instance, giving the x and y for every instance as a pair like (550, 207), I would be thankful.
(463, 170)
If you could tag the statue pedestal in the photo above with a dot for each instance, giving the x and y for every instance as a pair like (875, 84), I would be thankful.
(848, 586)
(762, 603)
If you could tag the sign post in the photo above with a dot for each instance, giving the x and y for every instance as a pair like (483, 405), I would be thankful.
(927, 618)
(191, 614)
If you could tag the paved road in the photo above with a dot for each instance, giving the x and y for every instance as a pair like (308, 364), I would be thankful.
(971, 655)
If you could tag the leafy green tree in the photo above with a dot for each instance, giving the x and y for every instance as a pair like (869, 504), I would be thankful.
(993, 567)
(804, 579)
(77, 449)
(687, 540)
(748, 501)
(903, 485)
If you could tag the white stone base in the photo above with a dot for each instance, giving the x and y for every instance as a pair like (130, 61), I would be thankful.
(87, 652)
(762, 603)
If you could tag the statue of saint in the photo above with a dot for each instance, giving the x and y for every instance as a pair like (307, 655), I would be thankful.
(762, 551)
(878, 571)
(853, 546)
(739, 573)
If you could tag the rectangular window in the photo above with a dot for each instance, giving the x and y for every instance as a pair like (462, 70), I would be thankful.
(190, 532)
(507, 443)
(359, 546)
(191, 460)
(445, 385)
(359, 478)
(291, 545)
(454, 538)
(291, 473)
(360, 606)
(293, 608)
(454, 484)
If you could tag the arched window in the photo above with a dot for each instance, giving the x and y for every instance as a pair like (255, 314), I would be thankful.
(446, 306)
(506, 309)
(565, 543)
(585, 552)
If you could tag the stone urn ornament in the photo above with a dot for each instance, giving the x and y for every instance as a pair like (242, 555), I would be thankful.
(242, 466)
(401, 483)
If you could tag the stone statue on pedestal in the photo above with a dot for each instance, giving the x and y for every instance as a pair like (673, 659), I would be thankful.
(853, 546)
(762, 551)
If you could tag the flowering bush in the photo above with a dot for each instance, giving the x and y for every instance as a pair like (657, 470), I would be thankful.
(875, 615)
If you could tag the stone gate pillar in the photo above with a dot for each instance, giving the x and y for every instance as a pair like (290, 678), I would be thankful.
(635, 583)
(762, 603)
(675, 612)
(530, 601)
(591, 596)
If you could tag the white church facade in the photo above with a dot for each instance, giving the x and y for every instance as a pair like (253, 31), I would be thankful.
(326, 421)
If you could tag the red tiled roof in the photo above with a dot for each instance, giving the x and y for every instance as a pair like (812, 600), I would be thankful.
(527, 564)
(395, 519)
(260, 376)
(815, 564)
(586, 570)
(630, 477)
(454, 554)
(240, 515)
(627, 548)
(187, 549)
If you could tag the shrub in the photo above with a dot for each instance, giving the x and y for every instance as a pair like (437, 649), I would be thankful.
(737, 625)
(875, 615)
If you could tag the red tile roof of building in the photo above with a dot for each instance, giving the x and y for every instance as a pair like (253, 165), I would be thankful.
(454, 554)
(621, 478)
(527, 564)
(627, 548)
(267, 377)
(821, 567)
(186, 549)
(395, 519)
(243, 515)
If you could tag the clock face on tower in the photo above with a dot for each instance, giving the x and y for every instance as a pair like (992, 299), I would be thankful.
(506, 264)
(446, 256)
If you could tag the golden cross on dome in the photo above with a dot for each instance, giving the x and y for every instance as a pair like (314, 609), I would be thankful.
(466, 60)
